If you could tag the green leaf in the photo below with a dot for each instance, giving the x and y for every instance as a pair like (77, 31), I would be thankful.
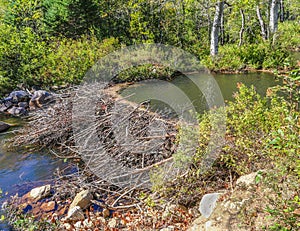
(275, 141)
(280, 132)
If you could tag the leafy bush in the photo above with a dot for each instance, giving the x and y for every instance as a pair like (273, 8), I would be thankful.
(21, 52)
(291, 88)
(261, 133)
(253, 56)
(24, 13)
(27, 58)
(288, 35)
(69, 59)
(144, 72)
(227, 60)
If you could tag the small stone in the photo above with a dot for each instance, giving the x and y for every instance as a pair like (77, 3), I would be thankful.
(169, 228)
(208, 225)
(17, 111)
(67, 226)
(106, 213)
(208, 203)
(40, 192)
(75, 214)
(101, 219)
(48, 207)
(36, 211)
(112, 223)
(82, 199)
(4, 205)
(5, 106)
(88, 223)
(248, 179)
(78, 225)
(297, 212)
(23, 104)
(4, 126)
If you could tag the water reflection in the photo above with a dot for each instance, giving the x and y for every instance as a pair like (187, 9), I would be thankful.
(227, 84)
(20, 172)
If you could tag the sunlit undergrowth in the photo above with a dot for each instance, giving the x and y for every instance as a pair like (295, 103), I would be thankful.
(30, 59)
(261, 133)
(262, 55)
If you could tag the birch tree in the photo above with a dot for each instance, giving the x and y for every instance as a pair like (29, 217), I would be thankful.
(263, 29)
(214, 40)
(274, 12)
(242, 27)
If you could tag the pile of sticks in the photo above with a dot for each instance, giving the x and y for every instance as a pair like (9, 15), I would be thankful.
(129, 134)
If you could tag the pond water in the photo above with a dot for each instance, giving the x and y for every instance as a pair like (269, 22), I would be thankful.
(227, 84)
(20, 172)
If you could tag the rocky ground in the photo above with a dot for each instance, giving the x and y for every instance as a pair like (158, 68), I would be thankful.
(240, 208)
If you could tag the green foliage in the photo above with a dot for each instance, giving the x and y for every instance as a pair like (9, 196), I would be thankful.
(27, 58)
(24, 13)
(21, 52)
(289, 35)
(227, 60)
(261, 133)
(70, 18)
(251, 56)
(28, 27)
(143, 72)
(54, 17)
(56, 14)
(140, 28)
(69, 60)
(24, 222)
(291, 88)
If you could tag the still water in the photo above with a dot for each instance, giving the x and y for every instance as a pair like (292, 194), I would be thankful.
(21, 171)
(162, 94)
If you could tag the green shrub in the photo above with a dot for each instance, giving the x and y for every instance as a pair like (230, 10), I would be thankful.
(144, 72)
(291, 88)
(24, 13)
(227, 60)
(27, 58)
(288, 35)
(253, 56)
(69, 59)
(21, 52)
(261, 133)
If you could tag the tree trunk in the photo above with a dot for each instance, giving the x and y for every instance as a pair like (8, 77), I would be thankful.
(274, 16)
(222, 30)
(282, 13)
(262, 24)
(242, 27)
(214, 39)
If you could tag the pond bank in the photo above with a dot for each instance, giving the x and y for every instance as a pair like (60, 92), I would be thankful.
(112, 222)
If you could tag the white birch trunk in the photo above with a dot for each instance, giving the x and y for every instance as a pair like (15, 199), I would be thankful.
(242, 27)
(214, 39)
(262, 24)
(274, 10)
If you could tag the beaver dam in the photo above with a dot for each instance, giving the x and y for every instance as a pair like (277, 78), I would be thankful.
(120, 146)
